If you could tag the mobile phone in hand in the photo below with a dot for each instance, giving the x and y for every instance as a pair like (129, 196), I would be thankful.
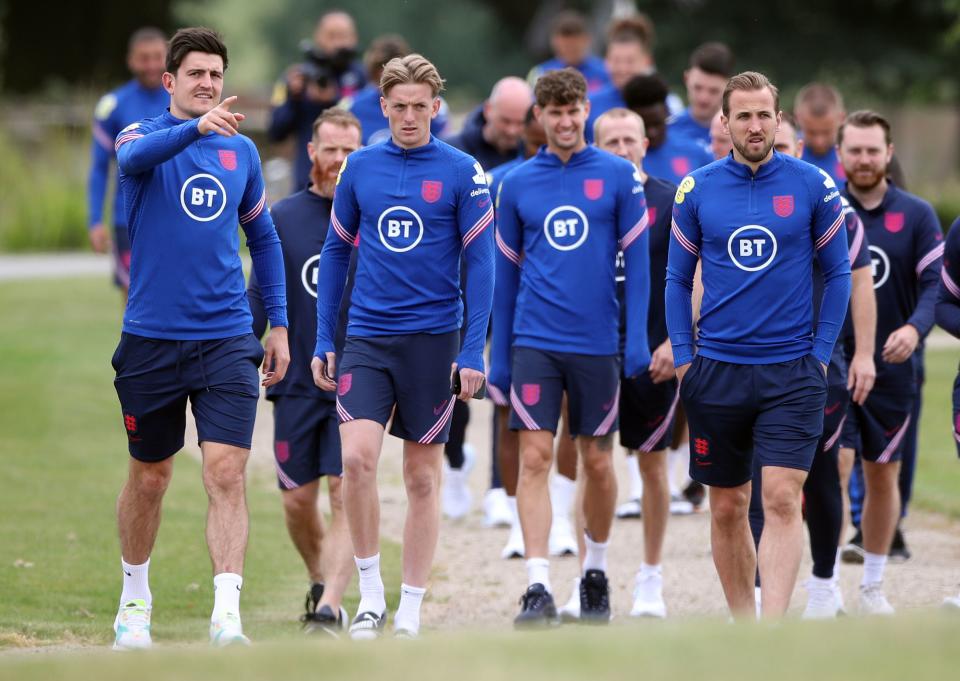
(455, 387)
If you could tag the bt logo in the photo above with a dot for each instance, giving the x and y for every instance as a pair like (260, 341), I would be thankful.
(309, 274)
(203, 197)
(752, 247)
(566, 228)
(400, 229)
(880, 264)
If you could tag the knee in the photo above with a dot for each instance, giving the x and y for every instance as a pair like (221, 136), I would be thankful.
(335, 484)
(151, 480)
(297, 502)
(224, 476)
(730, 508)
(421, 482)
(653, 469)
(781, 503)
(359, 464)
(598, 466)
(535, 461)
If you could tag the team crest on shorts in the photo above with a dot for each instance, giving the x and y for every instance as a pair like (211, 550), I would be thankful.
(593, 189)
(530, 393)
(430, 190)
(228, 158)
(651, 214)
(281, 449)
(893, 222)
(783, 205)
(345, 383)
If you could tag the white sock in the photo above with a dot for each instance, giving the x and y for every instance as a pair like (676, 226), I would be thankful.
(873, 566)
(596, 558)
(226, 594)
(562, 493)
(136, 584)
(538, 572)
(408, 613)
(633, 476)
(371, 585)
(673, 461)
(649, 571)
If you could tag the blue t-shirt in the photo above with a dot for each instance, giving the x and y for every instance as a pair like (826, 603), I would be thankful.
(593, 68)
(116, 110)
(559, 226)
(365, 105)
(185, 193)
(756, 236)
(684, 125)
(415, 212)
(906, 251)
(676, 158)
(828, 162)
(600, 103)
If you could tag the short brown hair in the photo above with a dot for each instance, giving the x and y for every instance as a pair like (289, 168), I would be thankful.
(198, 39)
(414, 68)
(561, 87)
(636, 28)
(337, 116)
(569, 23)
(749, 81)
(146, 34)
(818, 98)
(614, 113)
(714, 58)
(866, 119)
(382, 49)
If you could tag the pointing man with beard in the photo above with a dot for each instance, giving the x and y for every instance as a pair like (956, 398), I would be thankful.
(306, 437)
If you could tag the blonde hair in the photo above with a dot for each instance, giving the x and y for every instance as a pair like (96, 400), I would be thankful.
(414, 68)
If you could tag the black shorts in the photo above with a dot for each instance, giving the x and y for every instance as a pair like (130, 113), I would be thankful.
(306, 440)
(411, 372)
(834, 410)
(877, 430)
(738, 411)
(539, 379)
(646, 413)
(156, 377)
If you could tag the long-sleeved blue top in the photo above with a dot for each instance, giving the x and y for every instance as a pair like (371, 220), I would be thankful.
(184, 195)
(756, 236)
(947, 310)
(415, 212)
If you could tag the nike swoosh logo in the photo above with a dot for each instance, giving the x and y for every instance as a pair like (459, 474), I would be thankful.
(128, 574)
(832, 408)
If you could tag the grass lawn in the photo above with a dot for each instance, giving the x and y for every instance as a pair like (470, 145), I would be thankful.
(64, 454)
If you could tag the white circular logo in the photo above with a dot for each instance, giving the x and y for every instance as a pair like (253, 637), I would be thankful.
(752, 247)
(566, 228)
(309, 274)
(203, 197)
(400, 228)
(880, 265)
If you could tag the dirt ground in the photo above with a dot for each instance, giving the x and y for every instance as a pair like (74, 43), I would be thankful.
(473, 587)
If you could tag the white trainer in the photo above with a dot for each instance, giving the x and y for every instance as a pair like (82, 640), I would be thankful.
(226, 630)
(838, 594)
(514, 547)
(570, 612)
(951, 603)
(629, 509)
(872, 600)
(496, 510)
(132, 626)
(455, 495)
(562, 541)
(822, 603)
(648, 596)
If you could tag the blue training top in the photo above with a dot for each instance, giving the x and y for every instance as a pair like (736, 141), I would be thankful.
(948, 299)
(415, 212)
(559, 226)
(185, 193)
(756, 236)
(116, 110)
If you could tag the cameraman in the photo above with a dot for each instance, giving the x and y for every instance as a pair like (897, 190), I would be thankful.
(328, 72)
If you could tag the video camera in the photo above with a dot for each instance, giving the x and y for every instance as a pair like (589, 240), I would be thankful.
(322, 68)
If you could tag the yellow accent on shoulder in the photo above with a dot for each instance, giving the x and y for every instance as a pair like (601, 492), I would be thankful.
(105, 107)
(343, 166)
(680, 196)
(687, 184)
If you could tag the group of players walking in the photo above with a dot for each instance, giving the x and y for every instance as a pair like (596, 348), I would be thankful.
(780, 311)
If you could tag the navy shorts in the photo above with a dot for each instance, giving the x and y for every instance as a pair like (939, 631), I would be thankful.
(411, 372)
(306, 440)
(646, 413)
(156, 377)
(834, 410)
(539, 379)
(738, 411)
(877, 430)
(120, 250)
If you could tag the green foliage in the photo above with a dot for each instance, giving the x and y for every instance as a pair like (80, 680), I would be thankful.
(42, 195)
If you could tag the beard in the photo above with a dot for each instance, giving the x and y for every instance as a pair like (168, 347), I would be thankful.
(324, 177)
(757, 156)
(866, 184)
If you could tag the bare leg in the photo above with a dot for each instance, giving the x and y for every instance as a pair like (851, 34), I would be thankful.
(845, 461)
(509, 452)
(600, 485)
(138, 508)
(881, 506)
(361, 441)
(224, 478)
(305, 525)
(781, 544)
(733, 552)
(336, 559)
(566, 446)
(656, 503)
(533, 492)
(422, 465)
